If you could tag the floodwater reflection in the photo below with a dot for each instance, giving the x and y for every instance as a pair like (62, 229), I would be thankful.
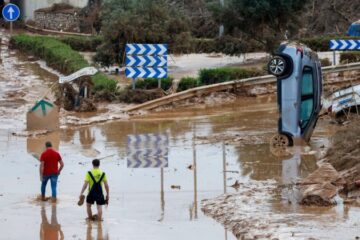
(50, 230)
(99, 235)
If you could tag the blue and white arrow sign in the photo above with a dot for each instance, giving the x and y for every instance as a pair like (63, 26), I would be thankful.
(147, 151)
(146, 49)
(139, 72)
(146, 61)
(11, 12)
(343, 44)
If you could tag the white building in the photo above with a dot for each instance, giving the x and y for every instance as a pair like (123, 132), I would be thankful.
(29, 6)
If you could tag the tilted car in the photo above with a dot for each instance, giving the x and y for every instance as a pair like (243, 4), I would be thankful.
(299, 87)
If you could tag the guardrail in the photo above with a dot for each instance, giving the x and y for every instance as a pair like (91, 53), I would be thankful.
(199, 91)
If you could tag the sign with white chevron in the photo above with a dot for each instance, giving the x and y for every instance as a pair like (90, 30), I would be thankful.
(139, 72)
(146, 49)
(147, 151)
(146, 61)
(345, 44)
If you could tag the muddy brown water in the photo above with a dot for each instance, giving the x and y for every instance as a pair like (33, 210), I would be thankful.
(143, 204)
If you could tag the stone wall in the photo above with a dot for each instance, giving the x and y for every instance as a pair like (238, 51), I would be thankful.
(67, 21)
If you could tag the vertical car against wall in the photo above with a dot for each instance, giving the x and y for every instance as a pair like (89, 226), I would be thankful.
(299, 87)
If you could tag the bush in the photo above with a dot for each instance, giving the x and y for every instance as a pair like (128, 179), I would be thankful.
(218, 75)
(139, 95)
(325, 62)
(152, 83)
(59, 56)
(349, 57)
(187, 83)
(82, 43)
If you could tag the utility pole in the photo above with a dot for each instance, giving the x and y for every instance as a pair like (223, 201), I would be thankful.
(221, 28)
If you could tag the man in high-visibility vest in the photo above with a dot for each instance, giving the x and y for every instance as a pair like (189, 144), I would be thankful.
(95, 179)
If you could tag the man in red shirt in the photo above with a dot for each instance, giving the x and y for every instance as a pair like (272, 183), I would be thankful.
(49, 170)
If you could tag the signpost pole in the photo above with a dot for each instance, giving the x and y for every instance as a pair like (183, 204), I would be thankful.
(133, 83)
(159, 83)
(11, 28)
(334, 58)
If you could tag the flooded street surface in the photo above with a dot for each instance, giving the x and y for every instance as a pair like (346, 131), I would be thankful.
(209, 149)
(137, 200)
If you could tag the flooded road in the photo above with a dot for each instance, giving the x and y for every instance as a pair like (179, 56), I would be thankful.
(140, 198)
(209, 148)
(163, 203)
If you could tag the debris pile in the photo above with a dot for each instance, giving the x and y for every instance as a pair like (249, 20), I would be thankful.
(338, 171)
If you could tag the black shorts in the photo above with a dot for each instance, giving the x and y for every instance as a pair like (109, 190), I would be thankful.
(100, 200)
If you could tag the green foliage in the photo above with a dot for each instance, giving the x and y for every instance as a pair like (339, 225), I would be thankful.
(349, 57)
(325, 62)
(266, 21)
(138, 95)
(83, 44)
(140, 21)
(59, 56)
(187, 83)
(218, 75)
(152, 83)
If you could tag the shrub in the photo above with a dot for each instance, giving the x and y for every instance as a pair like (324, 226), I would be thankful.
(187, 83)
(59, 56)
(349, 57)
(139, 95)
(82, 43)
(218, 75)
(325, 62)
(152, 83)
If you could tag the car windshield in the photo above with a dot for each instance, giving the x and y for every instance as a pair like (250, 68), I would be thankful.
(307, 97)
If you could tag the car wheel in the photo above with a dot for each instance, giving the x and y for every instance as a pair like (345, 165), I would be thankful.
(279, 141)
(277, 66)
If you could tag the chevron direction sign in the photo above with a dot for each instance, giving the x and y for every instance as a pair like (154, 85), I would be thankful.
(146, 60)
(146, 49)
(139, 72)
(147, 151)
(345, 44)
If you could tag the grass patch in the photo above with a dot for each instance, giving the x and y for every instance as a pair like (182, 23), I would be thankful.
(61, 57)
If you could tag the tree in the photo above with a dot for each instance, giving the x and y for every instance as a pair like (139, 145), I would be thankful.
(265, 21)
(140, 21)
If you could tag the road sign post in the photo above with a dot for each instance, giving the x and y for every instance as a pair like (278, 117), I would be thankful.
(146, 61)
(343, 44)
(11, 13)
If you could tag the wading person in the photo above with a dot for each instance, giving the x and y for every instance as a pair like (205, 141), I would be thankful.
(95, 179)
(49, 170)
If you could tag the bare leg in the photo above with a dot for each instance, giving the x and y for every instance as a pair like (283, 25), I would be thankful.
(99, 209)
(89, 213)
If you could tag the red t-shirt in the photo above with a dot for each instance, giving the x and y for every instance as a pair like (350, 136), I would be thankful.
(51, 160)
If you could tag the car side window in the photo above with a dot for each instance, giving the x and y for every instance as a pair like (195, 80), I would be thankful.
(307, 97)
(307, 82)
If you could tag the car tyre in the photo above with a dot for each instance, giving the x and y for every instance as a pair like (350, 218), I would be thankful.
(279, 141)
(277, 66)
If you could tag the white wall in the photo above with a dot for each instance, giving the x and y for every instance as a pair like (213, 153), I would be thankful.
(29, 6)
